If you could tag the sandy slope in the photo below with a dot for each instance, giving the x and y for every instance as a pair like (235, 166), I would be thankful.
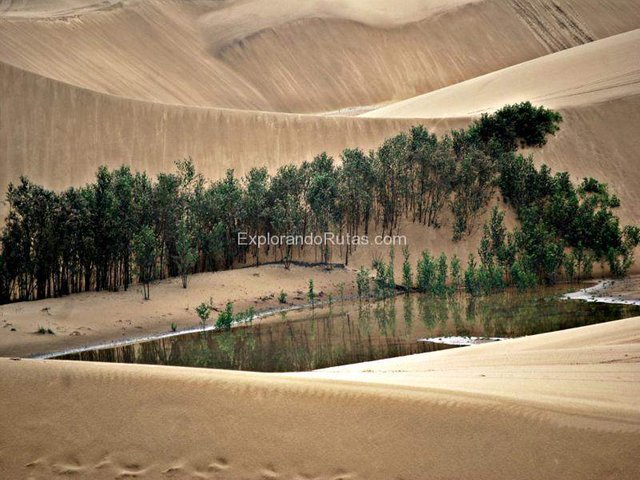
(551, 413)
(284, 56)
(58, 134)
(596, 72)
(325, 56)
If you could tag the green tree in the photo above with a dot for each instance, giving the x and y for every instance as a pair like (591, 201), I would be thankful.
(145, 247)
(186, 252)
(407, 274)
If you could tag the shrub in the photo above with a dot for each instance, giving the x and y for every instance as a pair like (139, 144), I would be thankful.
(426, 273)
(225, 318)
(282, 298)
(362, 283)
(203, 310)
(407, 274)
(311, 294)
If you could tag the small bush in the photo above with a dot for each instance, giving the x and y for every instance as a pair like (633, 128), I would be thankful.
(362, 283)
(225, 318)
(282, 298)
(203, 310)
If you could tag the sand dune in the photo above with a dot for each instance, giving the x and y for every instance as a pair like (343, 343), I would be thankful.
(268, 55)
(111, 87)
(58, 134)
(549, 414)
(603, 70)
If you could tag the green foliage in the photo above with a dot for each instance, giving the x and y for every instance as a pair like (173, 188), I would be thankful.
(362, 283)
(174, 326)
(186, 253)
(99, 236)
(426, 273)
(519, 125)
(524, 277)
(225, 318)
(407, 273)
(442, 270)
(282, 298)
(456, 273)
(471, 282)
(203, 311)
(383, 281)
(311, 293)
(145, 247)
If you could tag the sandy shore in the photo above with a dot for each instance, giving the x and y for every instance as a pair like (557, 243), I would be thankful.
(97, 317)
(557, 405)
(625, 291)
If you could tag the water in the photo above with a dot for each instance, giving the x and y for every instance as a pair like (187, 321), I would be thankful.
(352, 332)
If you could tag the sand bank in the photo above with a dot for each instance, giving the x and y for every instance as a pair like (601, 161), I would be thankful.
(93, 318)
(558, 405)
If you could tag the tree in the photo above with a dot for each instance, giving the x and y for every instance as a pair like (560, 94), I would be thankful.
(440, 287)
(473, 187)
(203, 311)
(407, 274)
(255, 211)
(311, 294)
(225, 318)
(518, 125)
(145, 246)
(456, 272)
(426, 273)
(186, 252)
(362, 283)
(322, 198)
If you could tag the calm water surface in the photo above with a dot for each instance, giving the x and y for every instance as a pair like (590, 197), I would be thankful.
(356, 332)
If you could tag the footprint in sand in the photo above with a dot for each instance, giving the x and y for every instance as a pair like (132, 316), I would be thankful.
(219, 465)
(131, 471)
(171, 471)
(269, 473)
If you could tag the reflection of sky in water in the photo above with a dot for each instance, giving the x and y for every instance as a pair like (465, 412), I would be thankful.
(353, 332)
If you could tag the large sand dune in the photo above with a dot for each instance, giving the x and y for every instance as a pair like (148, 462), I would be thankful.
(597, 72)
(143, 82)
(558, 405)
(284, 56)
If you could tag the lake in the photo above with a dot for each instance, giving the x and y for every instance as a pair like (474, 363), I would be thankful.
(352, 332)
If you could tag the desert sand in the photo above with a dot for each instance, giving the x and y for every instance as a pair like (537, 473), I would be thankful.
(244, 83)
(558, 405)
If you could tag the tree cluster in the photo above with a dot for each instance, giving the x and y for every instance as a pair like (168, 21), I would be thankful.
(127, 227)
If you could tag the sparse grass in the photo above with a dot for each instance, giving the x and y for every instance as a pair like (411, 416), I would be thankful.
(44, 331)
(174, 326)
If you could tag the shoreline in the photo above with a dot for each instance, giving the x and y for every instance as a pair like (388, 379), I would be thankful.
(585, 294)
(589, 294)
(186, 331)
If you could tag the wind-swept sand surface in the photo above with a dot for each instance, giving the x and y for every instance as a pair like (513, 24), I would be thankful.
(146, 83)
(557, 405)
(602, 70)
